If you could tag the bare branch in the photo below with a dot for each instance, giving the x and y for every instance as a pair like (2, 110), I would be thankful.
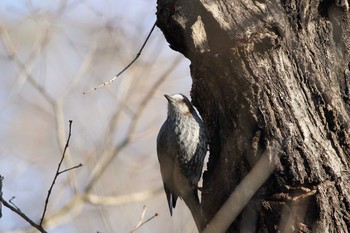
(141, 219)
(57, 173)
(68, 169)
(137, 56)
(10, 201)
(61, 139)
(121, 199)
(241, 196)
(75, 205)
(15, 209)
(18, 211)
(141, 222)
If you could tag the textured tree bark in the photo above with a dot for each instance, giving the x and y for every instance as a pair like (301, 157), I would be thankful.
(271, 76)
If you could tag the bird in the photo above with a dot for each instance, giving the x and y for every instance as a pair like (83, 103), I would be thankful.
(181, 149)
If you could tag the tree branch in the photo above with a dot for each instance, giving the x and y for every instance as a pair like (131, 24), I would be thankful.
(142, 221)
(18, 211)
(137, 56)
(241, 196)
(58, 172)
(15, 209)
(68, 169)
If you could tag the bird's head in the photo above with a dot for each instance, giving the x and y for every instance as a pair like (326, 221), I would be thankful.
(178, 104)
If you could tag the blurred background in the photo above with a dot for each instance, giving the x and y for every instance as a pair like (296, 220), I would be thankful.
(50, 53)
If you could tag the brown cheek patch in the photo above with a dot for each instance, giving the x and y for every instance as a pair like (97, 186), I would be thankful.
(189, 110)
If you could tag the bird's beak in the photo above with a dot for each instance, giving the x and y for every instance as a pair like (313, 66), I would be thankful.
(168, 97)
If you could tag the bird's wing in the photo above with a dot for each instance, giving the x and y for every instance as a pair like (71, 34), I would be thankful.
(166, 158)
(171, 198)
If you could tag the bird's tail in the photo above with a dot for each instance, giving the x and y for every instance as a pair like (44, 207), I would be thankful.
(171, 198)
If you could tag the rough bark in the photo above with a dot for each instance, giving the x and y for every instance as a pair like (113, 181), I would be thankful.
(271, 76)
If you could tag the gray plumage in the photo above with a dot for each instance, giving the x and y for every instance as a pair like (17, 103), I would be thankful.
(181, 148)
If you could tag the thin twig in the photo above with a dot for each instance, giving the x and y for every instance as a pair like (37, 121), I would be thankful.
(57, 173)
(18, 212)
(15, 209)
(141, 219)
(137, 56)
(141, 222)
(155, 215)
(68, 169)
(14, 205)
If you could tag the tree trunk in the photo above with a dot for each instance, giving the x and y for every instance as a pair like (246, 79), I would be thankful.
(271, 76)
